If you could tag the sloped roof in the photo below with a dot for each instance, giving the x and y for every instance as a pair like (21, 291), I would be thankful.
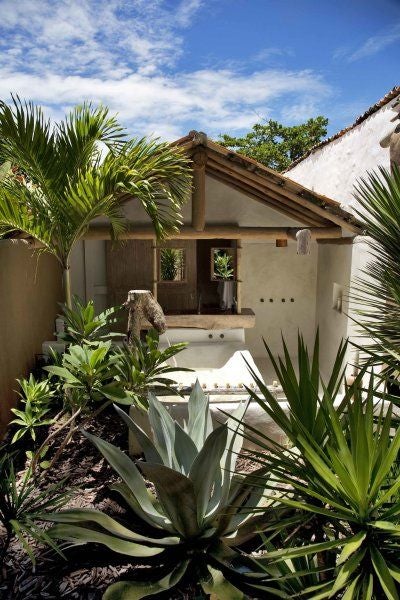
(394, 92)
(268, 186)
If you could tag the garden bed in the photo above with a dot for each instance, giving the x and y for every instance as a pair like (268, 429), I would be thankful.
(89, 570)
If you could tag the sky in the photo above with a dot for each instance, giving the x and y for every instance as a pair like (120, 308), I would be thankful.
(218, 66)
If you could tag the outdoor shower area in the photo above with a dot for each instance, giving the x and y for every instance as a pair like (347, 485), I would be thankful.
(236, 262)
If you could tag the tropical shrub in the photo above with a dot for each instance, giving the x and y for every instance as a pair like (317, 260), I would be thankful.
(36, 398)
(200, 512)
(87, 374)
(20, 504)
(142, 365)
(339, 476)
(83, 326)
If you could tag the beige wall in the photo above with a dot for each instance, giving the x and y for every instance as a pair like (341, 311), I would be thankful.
(30, 289)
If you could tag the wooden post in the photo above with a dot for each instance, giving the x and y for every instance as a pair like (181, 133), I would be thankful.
(155, 269)
(238, 276)
(199, 191)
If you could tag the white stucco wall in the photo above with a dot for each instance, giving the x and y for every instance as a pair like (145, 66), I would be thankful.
(270, 273)
(334, 169)
(334, 269)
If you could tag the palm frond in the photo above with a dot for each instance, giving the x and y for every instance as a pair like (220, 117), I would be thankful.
(376, 297)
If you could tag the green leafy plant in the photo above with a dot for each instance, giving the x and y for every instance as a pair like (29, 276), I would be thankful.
(301, 385)
(83, 326)
(20, 504)
(88, 380)
(143, 366)
(339, 478)
(200, 510)
(223, 268)
(377, 291)
(36, 398)
(71, 182)
(171, 263)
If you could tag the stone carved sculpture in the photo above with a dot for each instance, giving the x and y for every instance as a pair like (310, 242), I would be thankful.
(142, 306)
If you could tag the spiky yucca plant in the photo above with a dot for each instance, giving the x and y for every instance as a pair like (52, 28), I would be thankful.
(339, 475)
(200, 511)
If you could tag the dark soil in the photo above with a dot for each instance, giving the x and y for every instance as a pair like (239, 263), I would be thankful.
(90, 569)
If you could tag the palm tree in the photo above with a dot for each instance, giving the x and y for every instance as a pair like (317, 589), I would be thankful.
(79, 169)
(377, 292)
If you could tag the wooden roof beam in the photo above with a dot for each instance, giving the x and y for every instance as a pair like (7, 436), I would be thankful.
(222, 231)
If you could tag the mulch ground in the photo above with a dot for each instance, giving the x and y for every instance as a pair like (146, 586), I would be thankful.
(89, 570)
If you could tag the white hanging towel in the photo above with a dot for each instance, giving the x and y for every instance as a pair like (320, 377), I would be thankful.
(303, 241)
(226, 294)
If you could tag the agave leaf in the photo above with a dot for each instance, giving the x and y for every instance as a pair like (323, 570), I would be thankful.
(176, 494)
(199, 423)
(130, 474)
(205, 467)
(150, 451)
(135, 590)
(219, 588)
(91, 515)
(185, 449)
(83, 535)
(163, 428)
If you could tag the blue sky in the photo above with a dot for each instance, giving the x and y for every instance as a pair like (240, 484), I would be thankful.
(168, 66)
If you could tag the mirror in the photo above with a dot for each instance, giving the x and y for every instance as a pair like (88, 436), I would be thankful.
(172, 264)
(223, 264)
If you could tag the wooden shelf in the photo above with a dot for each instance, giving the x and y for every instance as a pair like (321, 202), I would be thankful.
(245, 320)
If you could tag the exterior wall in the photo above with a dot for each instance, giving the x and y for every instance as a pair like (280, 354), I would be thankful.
(30, 290)
(334, 267)
(278, 274)
(334, 169)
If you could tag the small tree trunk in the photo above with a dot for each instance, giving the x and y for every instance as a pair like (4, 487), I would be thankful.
(142, 305)
(67, 285)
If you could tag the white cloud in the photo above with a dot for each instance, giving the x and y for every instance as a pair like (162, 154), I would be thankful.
(125, 53)
(371, 46)
(167, 105)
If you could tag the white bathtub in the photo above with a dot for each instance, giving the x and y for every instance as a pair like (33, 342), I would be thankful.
(217, 358)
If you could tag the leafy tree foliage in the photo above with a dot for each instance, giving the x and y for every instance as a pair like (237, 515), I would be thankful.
(276, 145)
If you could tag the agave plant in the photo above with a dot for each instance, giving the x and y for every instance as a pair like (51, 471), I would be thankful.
(200, 510)
(340, 478)
(83, 326)
(142, 365)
